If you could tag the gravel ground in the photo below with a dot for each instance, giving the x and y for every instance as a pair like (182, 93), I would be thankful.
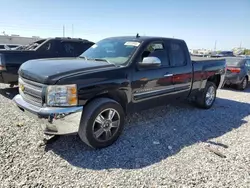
(162, 147)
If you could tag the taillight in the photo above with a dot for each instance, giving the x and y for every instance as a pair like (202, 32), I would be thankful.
(233, 69)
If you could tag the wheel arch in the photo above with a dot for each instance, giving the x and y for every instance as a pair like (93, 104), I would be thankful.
(215, 79)
(247, 77)
(117, 95)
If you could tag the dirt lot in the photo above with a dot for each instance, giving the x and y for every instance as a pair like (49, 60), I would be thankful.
(162, 147)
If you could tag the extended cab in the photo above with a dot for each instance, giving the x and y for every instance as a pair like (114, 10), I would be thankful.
(91, 94)
(11, 60)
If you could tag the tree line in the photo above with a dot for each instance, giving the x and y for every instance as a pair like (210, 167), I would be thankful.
(246, 52)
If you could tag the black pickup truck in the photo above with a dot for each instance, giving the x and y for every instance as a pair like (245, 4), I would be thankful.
(11, 60)
(91, 94)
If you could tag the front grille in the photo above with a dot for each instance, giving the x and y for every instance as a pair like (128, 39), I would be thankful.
(31, 91)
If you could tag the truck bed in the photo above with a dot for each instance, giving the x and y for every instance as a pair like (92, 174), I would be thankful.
(202, 59)
(201, 63)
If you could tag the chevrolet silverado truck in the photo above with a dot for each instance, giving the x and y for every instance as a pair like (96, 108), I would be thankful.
(11, 60)
(90, 95)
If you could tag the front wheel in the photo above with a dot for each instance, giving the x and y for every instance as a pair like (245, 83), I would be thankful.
(102, 123)
(207, 97)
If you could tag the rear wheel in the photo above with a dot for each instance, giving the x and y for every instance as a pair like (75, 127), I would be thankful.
(207, 97)
(102, 123)
(242, 86)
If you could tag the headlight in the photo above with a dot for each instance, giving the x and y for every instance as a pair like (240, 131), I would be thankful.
(62, 95)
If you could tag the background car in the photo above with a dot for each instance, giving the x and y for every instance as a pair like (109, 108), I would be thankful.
(223, 54)
(238, 72)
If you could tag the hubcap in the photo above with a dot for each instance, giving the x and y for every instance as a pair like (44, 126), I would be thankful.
(106, 125)
(210, 95)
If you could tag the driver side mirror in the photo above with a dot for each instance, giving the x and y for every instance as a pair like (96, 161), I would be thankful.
(150, 62)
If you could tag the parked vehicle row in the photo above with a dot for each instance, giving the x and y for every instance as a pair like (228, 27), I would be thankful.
(238, 72)
(91, 94)
(11, 60)
(223, 54)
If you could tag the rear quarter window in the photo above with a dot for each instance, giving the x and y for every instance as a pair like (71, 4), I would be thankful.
(176, 54)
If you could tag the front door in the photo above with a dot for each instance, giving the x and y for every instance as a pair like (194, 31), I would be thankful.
(152, 86)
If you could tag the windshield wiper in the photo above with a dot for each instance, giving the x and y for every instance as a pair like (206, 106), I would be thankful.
(96, 59)
(82, 57)
(100, 59)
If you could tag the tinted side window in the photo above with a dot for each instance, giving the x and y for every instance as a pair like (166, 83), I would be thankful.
(177, 54)
(68, 48)
(46, 48)
(74, 48)
(248, 63)
(156, 49)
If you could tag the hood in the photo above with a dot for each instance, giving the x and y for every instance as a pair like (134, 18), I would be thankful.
(49, 71)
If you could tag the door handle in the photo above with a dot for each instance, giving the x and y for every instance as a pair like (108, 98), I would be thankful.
(168, 75)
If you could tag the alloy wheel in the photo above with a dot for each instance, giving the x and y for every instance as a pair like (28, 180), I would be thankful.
(106, 125)
(210, 95)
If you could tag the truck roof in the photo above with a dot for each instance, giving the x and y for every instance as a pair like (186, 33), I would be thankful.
(71, 39)
(62, 38)
(143, 38)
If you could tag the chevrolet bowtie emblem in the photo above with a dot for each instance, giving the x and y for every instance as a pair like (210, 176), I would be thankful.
(22, 87)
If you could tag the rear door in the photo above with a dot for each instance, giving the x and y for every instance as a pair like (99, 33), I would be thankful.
(180, 68)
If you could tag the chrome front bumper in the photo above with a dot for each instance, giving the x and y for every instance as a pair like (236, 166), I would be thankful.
(54, 120)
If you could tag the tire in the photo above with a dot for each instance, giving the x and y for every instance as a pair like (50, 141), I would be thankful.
(89, 124)
(201, 100)
(242, 86)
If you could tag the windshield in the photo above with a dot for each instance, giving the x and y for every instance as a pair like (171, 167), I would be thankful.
(233, 61)
(115, 51)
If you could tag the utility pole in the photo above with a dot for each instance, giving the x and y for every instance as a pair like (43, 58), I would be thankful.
(63, 31)
(215, 45)
(72, 31)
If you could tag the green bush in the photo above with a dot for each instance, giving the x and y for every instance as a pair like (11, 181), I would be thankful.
(247, 52)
